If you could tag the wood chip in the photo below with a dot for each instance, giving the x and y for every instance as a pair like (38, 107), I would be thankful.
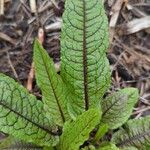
(115, 13)
(138, 25)
(6, 1)
(1, 7)
(114, 18)
(136, 11)
(33, 6)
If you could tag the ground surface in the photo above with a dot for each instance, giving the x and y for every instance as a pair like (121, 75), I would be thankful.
(129, 52)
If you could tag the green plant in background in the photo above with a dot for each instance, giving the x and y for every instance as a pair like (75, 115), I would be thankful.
(73, 113)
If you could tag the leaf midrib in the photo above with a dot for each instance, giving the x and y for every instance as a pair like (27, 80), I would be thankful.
(20, 115)
(131, 139)
(109, 108)
(86, 98)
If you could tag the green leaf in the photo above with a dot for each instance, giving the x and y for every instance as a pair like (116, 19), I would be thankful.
(108, 146)
(135, 133)
(84, 41)
(118, 107)
(76, 132)
(49, 148)
(22, 115)
(101, 132)
(6, 142)
(129, 148)
(90, 147)
(54, 93)
(146, 146)
(9, 143)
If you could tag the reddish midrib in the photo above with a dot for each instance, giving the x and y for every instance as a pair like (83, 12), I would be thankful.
(86, 98)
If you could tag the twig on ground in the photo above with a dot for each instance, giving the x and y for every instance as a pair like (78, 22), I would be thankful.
(115, 65)
(145, 101)
(30, 78)
(11, 66)
(43, 8)
(134, 81)
(26, 9)
(5, 37)
(55, 4)
(141, 110)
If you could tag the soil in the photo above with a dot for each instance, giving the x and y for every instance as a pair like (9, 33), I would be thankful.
(129, 53)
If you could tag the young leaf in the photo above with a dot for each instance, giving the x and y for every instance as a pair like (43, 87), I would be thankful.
(76, 132)
(118, 107)
(90, 147)
(22, 115)
(84, 41)
(53, 90)
(101, 132)
(135, 133)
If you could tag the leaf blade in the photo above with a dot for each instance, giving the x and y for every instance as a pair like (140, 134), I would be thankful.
(135, 133)
(22, 116)
(84, 64)
(118, 107)
(54, 93)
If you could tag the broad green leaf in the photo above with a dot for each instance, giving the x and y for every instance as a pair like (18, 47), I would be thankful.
(135, 133)
(84, 41)
(108, 146)
(54, 93)
(118, 107)
(77, 132)
(22, 115)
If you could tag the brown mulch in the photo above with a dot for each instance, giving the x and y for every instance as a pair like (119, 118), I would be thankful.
(129, 52)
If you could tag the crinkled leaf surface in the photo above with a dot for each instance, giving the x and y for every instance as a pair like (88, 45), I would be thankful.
(22, 116)
(118, 107)
(54, 93)
(84, 41)
(76, 132)
(10, 143)
(135, 133)
(108, 146)
(129, 148)
(90, 147)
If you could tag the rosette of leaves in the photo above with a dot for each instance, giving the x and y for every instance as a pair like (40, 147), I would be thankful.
(73, 114)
